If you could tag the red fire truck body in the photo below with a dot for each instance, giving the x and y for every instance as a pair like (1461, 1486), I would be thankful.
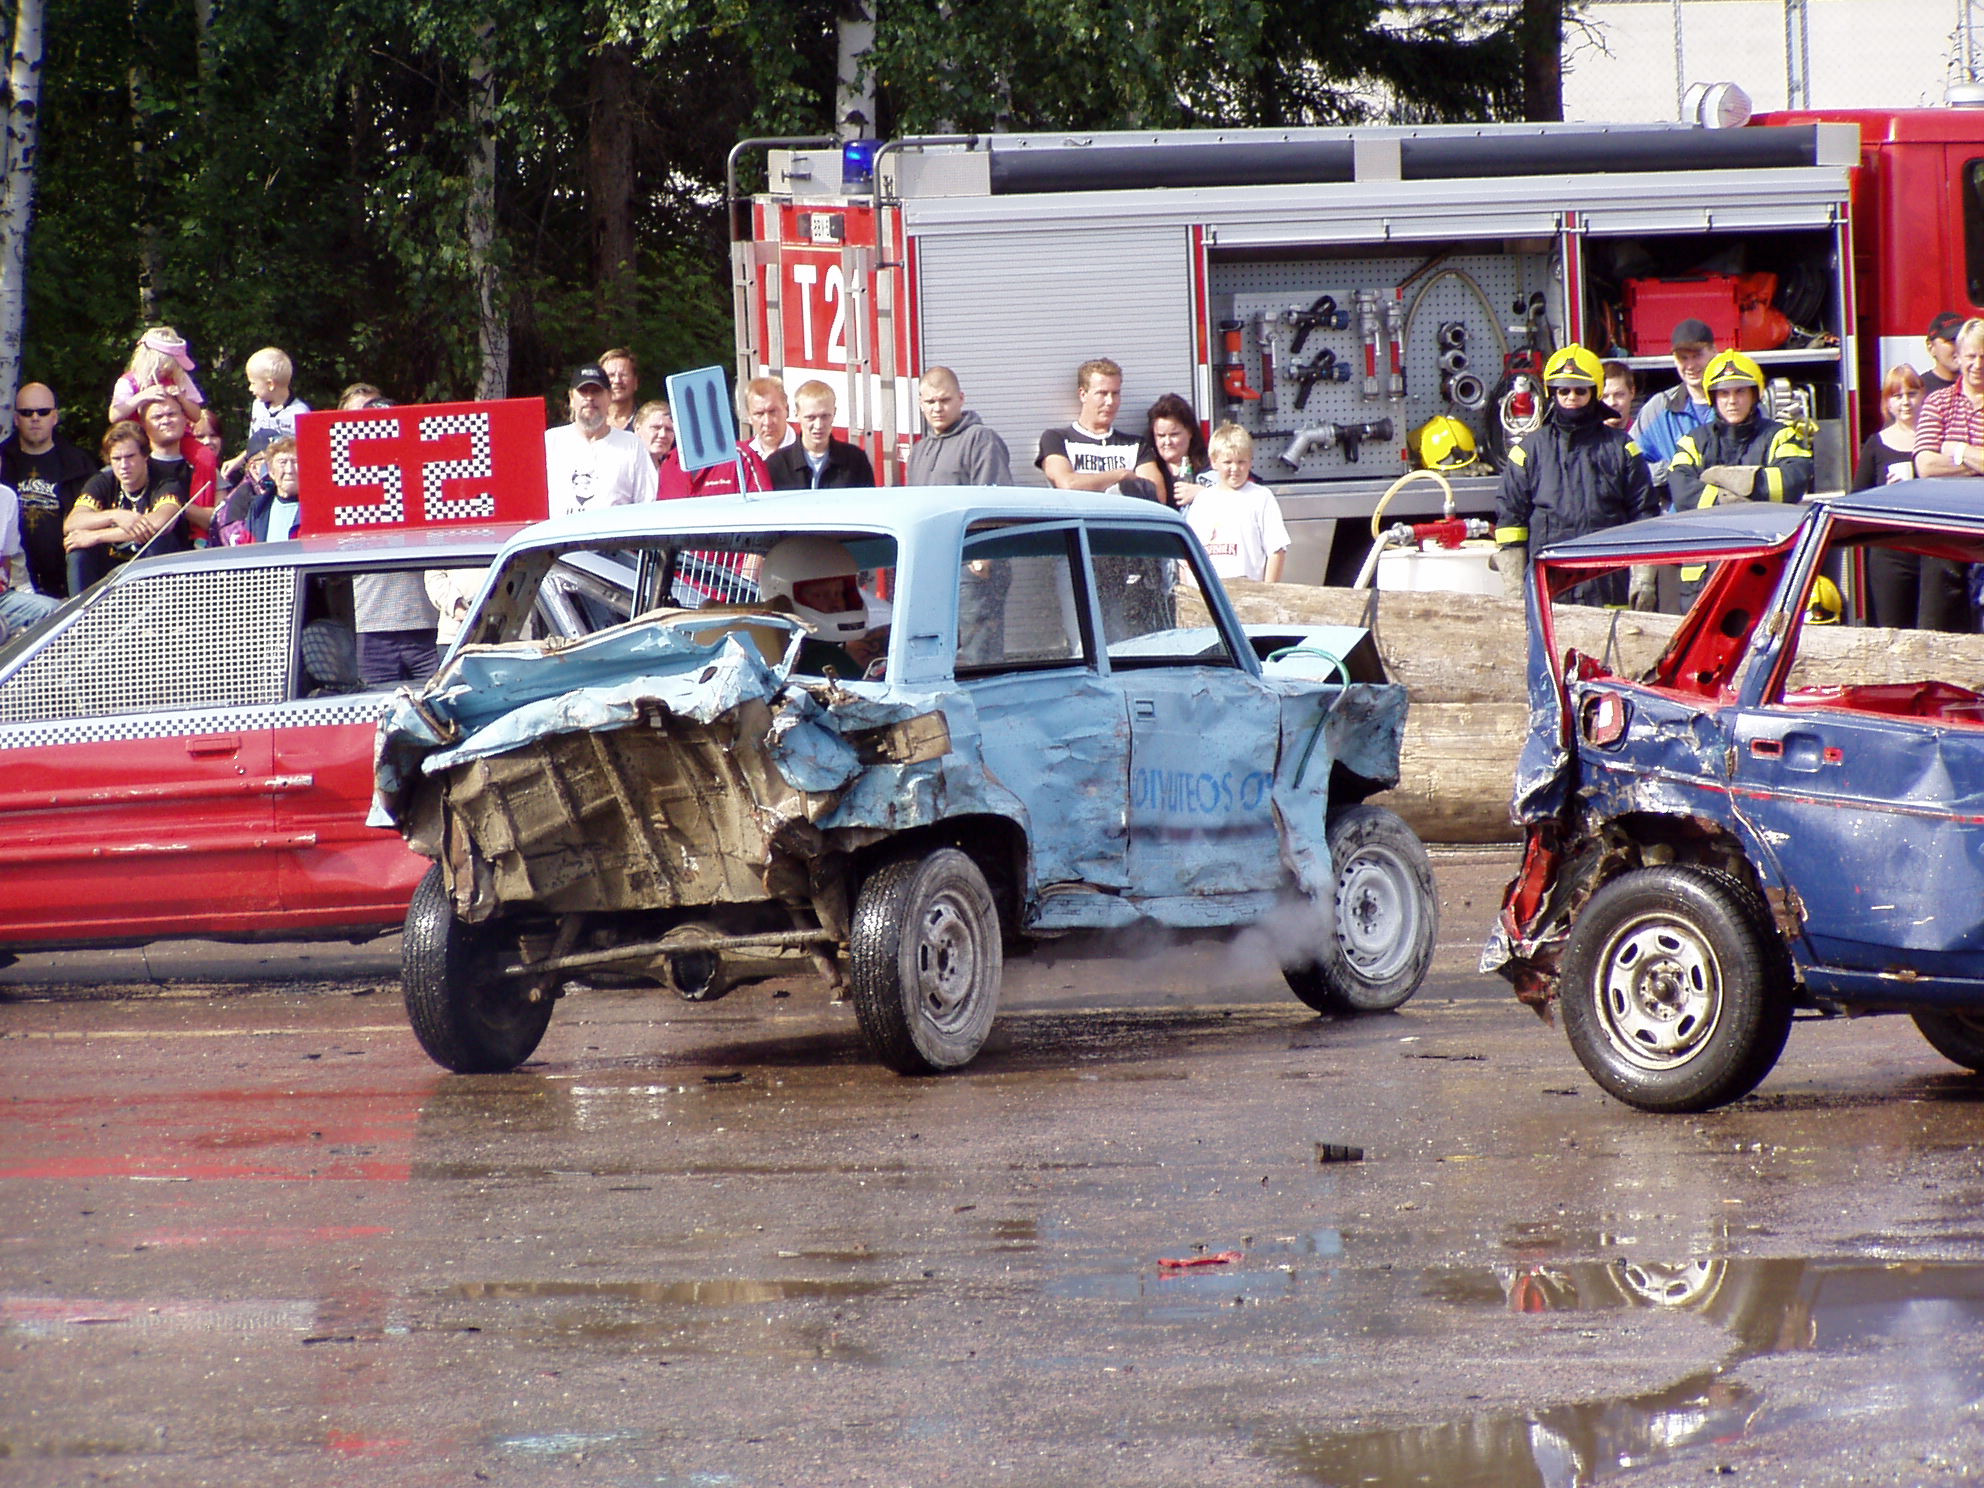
(1918, 239)
(1332, 290)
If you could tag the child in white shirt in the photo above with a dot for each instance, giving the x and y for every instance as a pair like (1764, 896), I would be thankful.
(1238, 520)
(274, 415)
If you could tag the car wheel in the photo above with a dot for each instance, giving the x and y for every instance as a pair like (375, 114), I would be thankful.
(468, 1017)
(1958, 1037)
(1676, 990)
(925, 962)
(1386, 920)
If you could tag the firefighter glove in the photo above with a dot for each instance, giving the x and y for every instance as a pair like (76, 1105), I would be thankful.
(1643, 593)
(1512, 559)
(1734, 481)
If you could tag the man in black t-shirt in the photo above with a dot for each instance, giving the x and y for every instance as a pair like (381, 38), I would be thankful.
(131, 506)
(1090, 454)
(48, 473)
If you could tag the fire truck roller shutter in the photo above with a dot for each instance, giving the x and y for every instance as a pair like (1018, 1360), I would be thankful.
(1015, 311)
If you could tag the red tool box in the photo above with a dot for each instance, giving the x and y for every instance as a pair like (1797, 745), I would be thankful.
(1655, 306)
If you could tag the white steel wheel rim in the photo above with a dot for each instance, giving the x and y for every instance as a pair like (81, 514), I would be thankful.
(1377, 914)
(1659, 992)
(1672, 1284)
(949, 962)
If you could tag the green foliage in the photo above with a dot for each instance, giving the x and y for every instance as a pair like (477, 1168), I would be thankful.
(299, 174)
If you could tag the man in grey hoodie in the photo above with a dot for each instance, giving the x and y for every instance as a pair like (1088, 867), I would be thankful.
(958, 450)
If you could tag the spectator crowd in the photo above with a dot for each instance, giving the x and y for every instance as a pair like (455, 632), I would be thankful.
(158, 479)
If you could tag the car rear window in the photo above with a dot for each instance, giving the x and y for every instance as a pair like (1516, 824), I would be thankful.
(215, 638)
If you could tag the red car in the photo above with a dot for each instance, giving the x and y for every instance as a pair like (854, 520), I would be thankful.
(186, 749)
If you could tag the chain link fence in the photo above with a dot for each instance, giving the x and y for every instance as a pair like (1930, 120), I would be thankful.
(1632, 60)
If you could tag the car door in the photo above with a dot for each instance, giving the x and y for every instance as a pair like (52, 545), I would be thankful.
(336, 870)
(1204, 735)
(136, 789)
(1052, 727)
(1876, 820)
(1867, 787)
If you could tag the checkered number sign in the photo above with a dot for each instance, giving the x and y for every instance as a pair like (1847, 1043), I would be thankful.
(424, 465)
(436, 452)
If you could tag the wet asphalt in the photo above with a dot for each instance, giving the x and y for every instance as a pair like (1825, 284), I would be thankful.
(248, 1234)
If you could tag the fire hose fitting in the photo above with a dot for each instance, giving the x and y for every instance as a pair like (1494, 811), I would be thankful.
(1347, 437)
(1233, 336)
(1323, 315)
(1323, 367)
(1370, 330)
(1467, 390)
(1395, 334)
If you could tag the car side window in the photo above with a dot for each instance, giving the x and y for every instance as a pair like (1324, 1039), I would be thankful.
(1919, 674)
(1019, 605)
(327, 641)
(1139, 573)
(214, 638)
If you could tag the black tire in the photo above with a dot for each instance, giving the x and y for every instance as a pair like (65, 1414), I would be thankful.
(1958, 1037)
(925, 962)
(1676, 989)
(1385, 920)
(467, 1017)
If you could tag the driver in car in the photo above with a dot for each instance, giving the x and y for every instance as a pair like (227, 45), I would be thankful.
(820, 580)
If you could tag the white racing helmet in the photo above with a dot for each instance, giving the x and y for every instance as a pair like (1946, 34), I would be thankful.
(821, 579)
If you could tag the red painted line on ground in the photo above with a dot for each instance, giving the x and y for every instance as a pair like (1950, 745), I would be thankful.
(78, 1167)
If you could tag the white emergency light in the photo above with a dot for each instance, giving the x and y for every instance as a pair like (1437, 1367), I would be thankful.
(1716, 106)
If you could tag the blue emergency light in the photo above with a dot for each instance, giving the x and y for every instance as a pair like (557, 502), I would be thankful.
(857, 164)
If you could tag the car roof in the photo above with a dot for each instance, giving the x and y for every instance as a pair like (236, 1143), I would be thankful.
(1764, 524)
(357, 548)
(891, 509)
(1950, 498)
(1758, 524)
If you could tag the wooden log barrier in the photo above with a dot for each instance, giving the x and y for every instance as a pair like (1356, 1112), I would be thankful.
(1461, 659)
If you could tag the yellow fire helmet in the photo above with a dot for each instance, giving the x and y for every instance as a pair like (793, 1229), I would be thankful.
(1573, 366)
(1444, 443)
(1823, 606)
(1733, 369)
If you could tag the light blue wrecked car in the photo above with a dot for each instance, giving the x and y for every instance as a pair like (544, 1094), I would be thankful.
(893, 735)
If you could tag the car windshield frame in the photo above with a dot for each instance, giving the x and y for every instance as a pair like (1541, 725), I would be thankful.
(505, 605)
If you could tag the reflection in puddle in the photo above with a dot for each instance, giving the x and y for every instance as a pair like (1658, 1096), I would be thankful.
(1767, 1307)
(767, 1319)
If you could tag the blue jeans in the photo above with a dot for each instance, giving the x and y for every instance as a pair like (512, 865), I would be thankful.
(20, 608)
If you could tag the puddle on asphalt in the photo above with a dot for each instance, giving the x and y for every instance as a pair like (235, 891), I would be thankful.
(721, 1293)
(1766, 1306)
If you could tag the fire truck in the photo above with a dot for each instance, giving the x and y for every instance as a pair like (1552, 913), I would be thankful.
(1334, 290)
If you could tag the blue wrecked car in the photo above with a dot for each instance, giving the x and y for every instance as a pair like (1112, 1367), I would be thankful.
(1773, 812)
(890, 737)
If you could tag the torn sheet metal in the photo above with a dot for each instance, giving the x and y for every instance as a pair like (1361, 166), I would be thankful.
(681, 768)
(1856, 809)
(677, 760)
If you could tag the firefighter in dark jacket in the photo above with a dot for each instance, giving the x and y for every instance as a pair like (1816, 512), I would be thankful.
(1572, 476)
(1739, 455)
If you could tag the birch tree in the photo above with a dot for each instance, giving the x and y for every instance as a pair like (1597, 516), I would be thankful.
(491, 295)
(23, 105)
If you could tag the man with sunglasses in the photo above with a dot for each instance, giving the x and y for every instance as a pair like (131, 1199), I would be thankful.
(48, 473)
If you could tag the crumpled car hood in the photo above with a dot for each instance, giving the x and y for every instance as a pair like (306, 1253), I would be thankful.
(643, 766)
